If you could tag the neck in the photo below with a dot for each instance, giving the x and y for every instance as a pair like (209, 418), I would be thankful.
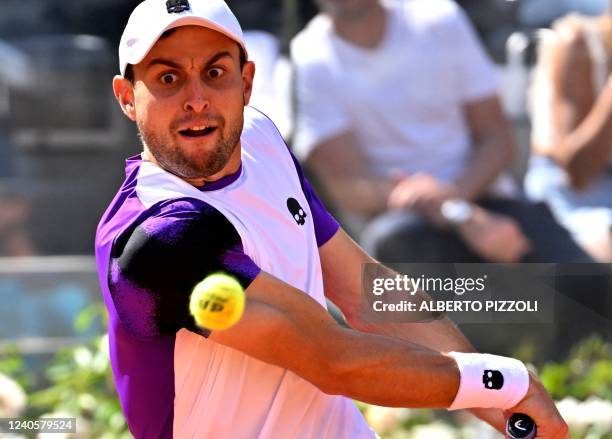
(232, 166)
(365, 29)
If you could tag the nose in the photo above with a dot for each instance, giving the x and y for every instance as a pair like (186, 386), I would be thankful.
(197, 97)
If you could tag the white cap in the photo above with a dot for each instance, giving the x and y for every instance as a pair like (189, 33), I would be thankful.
(152, 18)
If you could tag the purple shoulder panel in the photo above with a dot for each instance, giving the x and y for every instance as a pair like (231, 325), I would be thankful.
(148, 261)
(143, 371)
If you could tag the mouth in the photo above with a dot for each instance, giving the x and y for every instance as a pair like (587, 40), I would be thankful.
(197, 131)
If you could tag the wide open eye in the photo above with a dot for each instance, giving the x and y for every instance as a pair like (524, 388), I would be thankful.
(168, 78)
(215, 73)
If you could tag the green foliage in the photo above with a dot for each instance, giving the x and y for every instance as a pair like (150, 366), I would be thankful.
(80, 384)
(587, 372)
(13, 365)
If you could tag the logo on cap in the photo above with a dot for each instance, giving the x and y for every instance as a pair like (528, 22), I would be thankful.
(177, 6)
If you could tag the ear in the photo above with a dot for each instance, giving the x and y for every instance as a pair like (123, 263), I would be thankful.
(124, 93)
(248, 73)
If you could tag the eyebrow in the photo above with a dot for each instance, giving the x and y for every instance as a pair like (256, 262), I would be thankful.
(212, 60)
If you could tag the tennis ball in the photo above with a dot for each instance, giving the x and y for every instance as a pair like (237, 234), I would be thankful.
(217, 302)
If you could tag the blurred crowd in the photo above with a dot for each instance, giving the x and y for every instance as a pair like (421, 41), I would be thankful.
(409, 115)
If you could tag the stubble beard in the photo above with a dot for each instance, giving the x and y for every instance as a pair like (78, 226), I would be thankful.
(171, 158)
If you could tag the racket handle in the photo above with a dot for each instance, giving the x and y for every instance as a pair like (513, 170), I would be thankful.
(520, 426)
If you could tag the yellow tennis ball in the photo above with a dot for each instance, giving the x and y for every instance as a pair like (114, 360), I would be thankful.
(217, 302)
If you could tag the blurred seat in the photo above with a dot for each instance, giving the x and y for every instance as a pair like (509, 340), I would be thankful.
(515, 79)
(44, 296)
(70, 93)
(70, 138)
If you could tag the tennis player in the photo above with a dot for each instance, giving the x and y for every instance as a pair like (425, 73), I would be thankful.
(216, 189)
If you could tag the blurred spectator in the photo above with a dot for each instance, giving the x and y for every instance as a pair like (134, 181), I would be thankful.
(398, 117)
(571, 169)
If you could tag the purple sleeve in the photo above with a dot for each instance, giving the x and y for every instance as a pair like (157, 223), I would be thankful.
(325, 224)
(155, 266)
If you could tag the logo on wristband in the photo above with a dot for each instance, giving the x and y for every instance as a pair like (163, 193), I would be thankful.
(493, 379)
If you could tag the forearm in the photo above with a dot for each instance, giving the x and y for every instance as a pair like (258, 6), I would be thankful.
(344, 288)
(287, 328)
(441, 335)
(385, 371)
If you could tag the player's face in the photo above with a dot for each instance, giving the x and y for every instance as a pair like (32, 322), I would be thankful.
(189, 96)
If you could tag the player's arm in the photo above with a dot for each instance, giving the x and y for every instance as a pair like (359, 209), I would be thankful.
(283, 326)
(343, 287)
(155, 267)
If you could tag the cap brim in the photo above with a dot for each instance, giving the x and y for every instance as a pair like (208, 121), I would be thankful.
(145, 46)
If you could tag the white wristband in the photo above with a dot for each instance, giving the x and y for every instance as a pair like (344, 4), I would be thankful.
(489, 381)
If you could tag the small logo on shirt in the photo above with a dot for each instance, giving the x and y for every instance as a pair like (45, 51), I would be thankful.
(177, 6)
(493, 379)
(299, 214)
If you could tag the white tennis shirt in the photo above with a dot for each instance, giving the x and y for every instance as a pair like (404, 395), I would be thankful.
(161, 235)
